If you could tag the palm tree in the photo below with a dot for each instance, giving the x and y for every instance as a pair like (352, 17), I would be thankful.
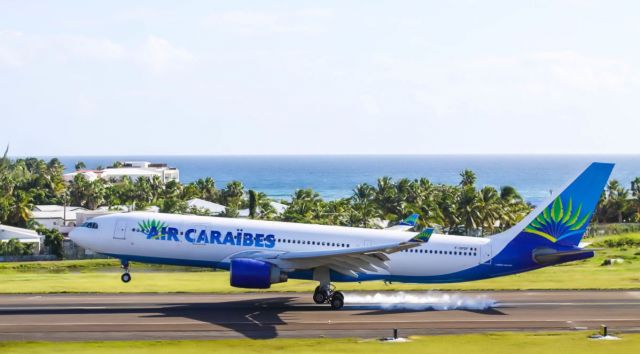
(207, 188)
(232, 194)
(447, 201)
(363, 205)
(305, 206)
(78, 190)
(80, 166)
(157, 185)
(253, 204)
(468, 209)
(617, 200)
(490, 208)
(635, 191)
(386, 197)
(94, 194)
(20, 211)
(468, 178)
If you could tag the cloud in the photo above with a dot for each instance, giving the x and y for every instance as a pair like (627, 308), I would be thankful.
(18, 49)
(582, 72)
(9, 54)
(265, 22)
(157, 55)
(160, 56)
(370, 105)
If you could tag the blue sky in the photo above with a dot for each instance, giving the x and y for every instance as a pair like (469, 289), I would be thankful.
(296, 77)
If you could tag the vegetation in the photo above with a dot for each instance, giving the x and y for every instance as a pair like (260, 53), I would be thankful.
(460, 209)
(504, 342)
(53, 240)
(13, 247)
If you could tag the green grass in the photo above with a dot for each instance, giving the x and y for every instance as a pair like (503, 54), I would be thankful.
(521, 343)
(96, 276)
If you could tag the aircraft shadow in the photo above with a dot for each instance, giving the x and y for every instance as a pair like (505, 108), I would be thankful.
(252, 318)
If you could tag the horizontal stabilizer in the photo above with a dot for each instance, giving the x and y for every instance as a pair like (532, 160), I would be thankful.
(551, 256)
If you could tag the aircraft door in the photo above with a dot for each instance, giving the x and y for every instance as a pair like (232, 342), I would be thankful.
(486, 254)
(120, 230)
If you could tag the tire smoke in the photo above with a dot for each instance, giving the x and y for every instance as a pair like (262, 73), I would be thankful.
(421, 301)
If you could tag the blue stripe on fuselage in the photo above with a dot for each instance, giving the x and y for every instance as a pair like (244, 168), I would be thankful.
(478, 272)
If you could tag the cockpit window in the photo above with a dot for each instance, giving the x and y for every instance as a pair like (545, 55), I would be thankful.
(89, 225)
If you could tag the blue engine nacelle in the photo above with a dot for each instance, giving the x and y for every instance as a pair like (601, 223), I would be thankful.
(255, 274)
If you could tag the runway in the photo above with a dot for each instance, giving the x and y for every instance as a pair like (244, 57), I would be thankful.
(270, 315)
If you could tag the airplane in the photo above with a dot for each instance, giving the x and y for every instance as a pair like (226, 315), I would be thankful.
(406, 224)
(260, 253)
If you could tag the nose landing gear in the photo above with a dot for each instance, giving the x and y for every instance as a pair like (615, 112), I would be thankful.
(125, 277)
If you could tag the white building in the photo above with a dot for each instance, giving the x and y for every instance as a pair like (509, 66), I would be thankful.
(212, 208)
(56, 217)
(131, 169)
(279, 207)
(22, 235)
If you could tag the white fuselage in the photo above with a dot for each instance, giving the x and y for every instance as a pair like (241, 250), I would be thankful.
(200, 241)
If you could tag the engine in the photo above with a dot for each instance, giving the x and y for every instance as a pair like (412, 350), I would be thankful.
(255, 274)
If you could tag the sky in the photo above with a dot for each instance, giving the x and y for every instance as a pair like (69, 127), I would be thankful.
(329, 77)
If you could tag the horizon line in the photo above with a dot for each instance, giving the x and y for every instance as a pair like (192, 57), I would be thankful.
(335, 155)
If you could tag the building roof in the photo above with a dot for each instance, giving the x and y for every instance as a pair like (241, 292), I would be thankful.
(128, 171)
(279, 207)
(113, 208)
(89, 175)
(213, 208)
(23, 235)
(49, 212)
(54, 207)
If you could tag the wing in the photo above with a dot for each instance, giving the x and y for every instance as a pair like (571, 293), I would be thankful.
(405, 224)
(350, 261)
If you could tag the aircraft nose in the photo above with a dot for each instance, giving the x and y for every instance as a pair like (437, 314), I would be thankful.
(75, 234)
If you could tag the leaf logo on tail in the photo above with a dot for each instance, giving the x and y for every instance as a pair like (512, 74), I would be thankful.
(424, 236)
(558, 221)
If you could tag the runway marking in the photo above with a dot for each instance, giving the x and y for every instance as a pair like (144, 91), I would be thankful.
(251, 319)
(28, 308)
(309, 322)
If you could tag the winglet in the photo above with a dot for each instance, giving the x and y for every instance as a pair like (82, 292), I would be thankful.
(411, 220)
(423, 236)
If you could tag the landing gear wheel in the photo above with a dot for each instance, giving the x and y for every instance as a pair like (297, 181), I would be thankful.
(337, 301)
(125, 277)
(319, 296)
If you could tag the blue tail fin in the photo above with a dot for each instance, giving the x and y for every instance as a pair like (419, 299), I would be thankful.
(564, 218)
(411, 220)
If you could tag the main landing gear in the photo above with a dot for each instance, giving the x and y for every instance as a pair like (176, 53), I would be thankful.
(125, 277)
(328, 295)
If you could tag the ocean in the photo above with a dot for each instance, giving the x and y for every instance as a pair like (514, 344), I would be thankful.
(534, 176)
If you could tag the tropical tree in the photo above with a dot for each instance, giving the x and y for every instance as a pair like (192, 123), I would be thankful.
(253, 204)
(386, 198)
(14, 247)
(231, 196)
(489, 207)
(305, 206)
(468, 179)
(94, 194)
(468, 210)
(207, 189)
(80, 166)
(363, 204)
